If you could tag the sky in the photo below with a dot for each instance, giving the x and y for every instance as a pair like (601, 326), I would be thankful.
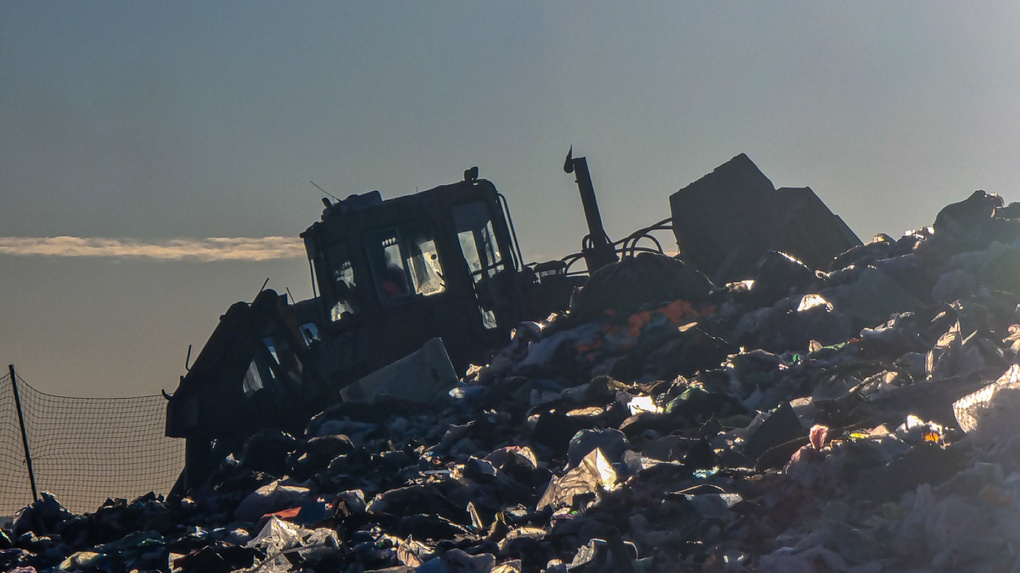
(169, 147)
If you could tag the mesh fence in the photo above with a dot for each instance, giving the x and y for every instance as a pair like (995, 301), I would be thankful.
(84, 450)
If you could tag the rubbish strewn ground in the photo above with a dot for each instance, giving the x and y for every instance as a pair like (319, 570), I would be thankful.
(859, 418)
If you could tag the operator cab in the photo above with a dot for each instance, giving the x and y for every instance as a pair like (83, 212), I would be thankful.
(392, 274)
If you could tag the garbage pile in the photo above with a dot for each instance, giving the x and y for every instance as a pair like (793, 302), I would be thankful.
(858, 418)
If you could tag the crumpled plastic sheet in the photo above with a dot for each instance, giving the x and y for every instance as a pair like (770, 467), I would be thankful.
(278, 538)
(993, 410)
(593, 474)
(459, 561)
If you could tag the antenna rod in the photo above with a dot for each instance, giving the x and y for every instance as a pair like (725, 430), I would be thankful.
(323, 190)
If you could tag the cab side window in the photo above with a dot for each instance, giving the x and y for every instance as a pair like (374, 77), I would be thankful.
(481, 251)
(343, 287)
(478, 240)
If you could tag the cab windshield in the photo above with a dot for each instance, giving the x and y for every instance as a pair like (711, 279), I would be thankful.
(404, 262)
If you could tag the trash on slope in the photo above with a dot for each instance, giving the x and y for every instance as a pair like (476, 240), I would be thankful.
(785, 421)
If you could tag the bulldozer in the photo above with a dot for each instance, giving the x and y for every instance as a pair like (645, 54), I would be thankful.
(437, 278)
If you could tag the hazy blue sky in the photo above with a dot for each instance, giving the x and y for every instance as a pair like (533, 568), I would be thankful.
(153, 122)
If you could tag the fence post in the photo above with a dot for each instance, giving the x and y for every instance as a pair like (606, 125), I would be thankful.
(24, 435)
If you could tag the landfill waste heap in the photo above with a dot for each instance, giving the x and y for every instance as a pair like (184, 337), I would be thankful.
(859, 417)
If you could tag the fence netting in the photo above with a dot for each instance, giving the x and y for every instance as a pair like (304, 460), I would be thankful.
(84, 450)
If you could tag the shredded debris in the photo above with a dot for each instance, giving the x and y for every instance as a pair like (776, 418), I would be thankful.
(861, 417)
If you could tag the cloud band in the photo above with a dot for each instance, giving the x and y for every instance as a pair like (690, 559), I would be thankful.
(197, 250)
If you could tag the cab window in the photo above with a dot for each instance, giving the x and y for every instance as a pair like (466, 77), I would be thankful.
(481, 251)
(404, 262)
(478, 240)
(343, 287)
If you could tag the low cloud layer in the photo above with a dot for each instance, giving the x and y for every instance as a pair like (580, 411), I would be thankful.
(197, 250)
